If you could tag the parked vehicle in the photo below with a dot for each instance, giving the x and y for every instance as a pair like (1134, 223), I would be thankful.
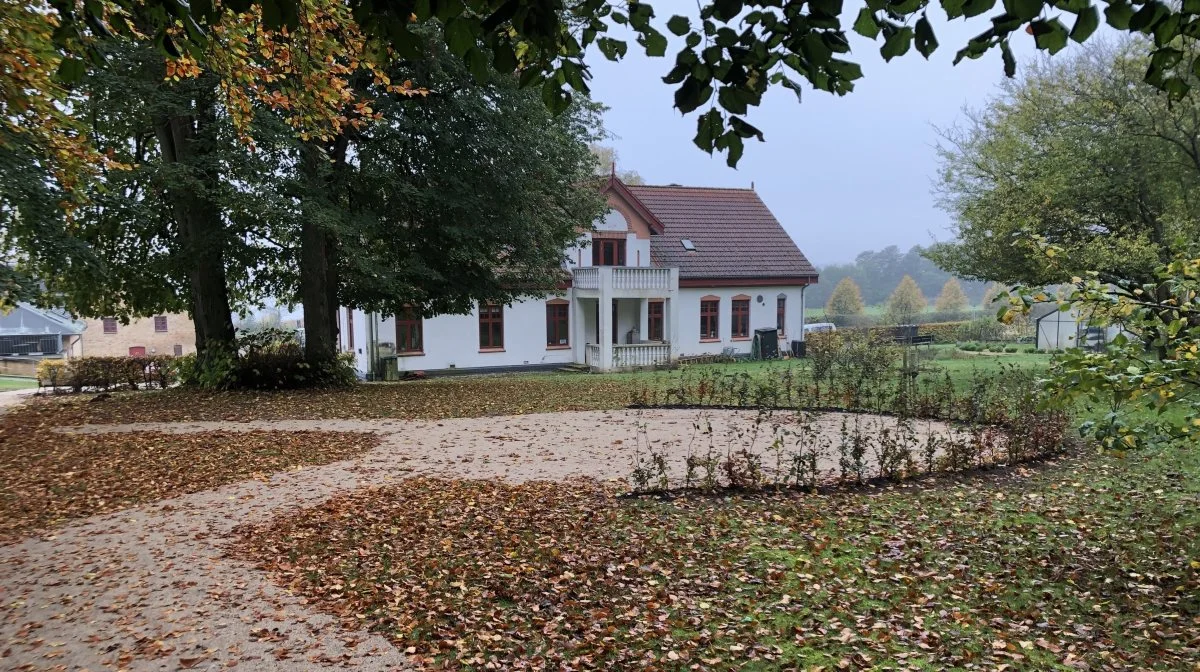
(819, 327)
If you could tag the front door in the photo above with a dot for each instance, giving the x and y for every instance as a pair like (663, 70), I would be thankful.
(137, 351)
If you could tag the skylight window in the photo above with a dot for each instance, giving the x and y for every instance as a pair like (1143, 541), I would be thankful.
(687, 245)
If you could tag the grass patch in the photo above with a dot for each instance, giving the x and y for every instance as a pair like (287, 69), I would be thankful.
(1088, 562)
(50, 477)
(12, 383)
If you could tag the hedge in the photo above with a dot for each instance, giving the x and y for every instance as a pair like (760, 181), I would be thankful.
(105, 373)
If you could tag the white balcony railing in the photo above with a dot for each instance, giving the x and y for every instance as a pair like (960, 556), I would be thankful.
(587, 277)
(641, 354)
(591, 354)
(624, 278)
(641, 278)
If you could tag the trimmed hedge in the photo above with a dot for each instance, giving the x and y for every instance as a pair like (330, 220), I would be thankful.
(106, 373)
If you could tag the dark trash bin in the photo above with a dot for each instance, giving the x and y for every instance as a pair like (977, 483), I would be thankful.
(799, 349)
(768, 343)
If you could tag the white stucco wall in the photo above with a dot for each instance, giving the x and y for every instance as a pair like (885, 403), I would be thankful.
(452, 341)
(762, 315)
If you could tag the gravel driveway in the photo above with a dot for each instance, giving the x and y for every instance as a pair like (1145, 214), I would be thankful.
(151, 589)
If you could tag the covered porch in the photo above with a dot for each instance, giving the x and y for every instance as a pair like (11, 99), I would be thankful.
(631, 333)
(625, 318)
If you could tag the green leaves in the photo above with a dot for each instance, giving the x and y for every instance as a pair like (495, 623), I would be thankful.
(459, 35)
(866, 24)
(1049, 35)
(654, 42)
(613, 50)
(1085, 24)
(925, 40)
(1024, 10)
(896, 44)
(679, 25)
(70, 70)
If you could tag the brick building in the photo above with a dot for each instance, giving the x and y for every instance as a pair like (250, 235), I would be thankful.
(172, 334)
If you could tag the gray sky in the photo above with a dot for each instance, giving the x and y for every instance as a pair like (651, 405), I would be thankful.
(843, 174)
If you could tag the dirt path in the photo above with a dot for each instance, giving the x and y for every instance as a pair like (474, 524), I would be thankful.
(150, 588)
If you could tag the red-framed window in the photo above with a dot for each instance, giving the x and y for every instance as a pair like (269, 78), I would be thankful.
(608, 251)
(740, 324)
(410, 332)
(558, 323)
(710, 309)
(654, 321)
(491, 326)
(160, 323)
(781, 315)
(110, 325)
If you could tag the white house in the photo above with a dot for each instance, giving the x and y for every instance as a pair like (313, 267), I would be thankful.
(671, 271)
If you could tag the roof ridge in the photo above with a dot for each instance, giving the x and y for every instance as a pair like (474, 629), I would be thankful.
(688, 186)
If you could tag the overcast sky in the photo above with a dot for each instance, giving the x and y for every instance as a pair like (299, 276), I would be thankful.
(843, 174)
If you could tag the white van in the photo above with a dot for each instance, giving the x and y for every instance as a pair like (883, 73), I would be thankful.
(819, 327)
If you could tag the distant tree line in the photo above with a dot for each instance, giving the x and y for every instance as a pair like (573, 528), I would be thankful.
(878, 273)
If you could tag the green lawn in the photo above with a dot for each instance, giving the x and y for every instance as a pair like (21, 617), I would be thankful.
(12, 383)
(1088, 563)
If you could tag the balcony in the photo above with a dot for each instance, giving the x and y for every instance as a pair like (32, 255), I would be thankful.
(625, 281)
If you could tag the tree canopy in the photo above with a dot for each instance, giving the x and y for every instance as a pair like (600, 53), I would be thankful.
(732, 51)
(468, 192)
(906, 301)
(952, 298)
(1082, 155)
(846, 299)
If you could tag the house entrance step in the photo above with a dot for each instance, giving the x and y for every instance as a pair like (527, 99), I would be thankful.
(575, 368)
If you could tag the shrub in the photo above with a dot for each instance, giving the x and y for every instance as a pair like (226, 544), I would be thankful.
(983, 328)
(1031, 351)
(51, 372)
(1010, 348)
(106, 373)
(942, 332)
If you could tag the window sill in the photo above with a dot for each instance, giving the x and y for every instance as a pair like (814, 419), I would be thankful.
(413, 353)
(558, 347)
(491, 349)
(710, 340)
(740, 338)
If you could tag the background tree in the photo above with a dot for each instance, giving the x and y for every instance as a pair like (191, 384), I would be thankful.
(845, 300)
(877, 271)
(607, 159)
(1083, 155)
(952, 299)
(906, 301)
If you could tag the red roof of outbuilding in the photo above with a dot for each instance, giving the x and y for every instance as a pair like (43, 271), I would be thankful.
(735, 235)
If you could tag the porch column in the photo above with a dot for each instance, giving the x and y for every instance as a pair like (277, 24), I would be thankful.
(673, 330)
(802, 288)
(604, 318)
(578, 333)
(643, 319)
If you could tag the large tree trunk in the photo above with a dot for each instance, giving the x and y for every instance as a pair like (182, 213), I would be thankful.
(318, 250)
(201, 230)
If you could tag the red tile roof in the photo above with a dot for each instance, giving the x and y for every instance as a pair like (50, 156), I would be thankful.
(735, 235)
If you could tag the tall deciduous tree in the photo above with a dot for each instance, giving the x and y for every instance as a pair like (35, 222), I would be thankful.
(731, 53)
(952, 298)
(845, 300)
(906, 301)
(1083, 156)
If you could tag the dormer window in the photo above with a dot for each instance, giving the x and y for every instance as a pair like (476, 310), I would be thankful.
(688, 245)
